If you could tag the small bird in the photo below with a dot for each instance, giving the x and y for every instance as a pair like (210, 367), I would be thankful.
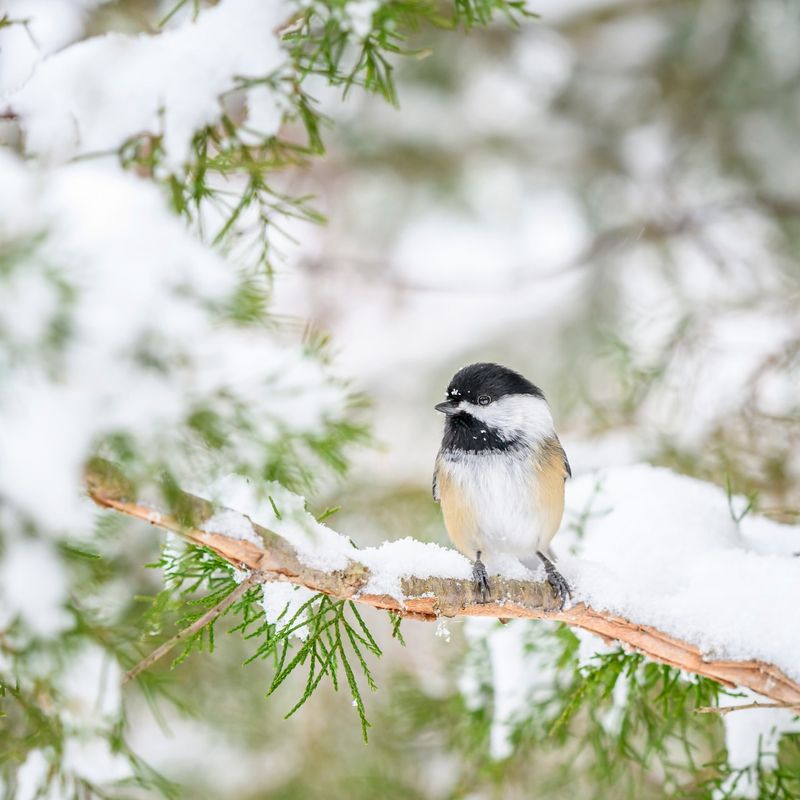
(500, 471)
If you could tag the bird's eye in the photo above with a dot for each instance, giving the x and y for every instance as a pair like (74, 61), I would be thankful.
(484, 400)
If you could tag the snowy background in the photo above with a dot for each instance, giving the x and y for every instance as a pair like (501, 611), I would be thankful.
(604, 199)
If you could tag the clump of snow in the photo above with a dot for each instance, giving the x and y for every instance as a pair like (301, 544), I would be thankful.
(93, 96)
(354, 16)
(359, 15)
(41, 27)
(511, 567)
(663, 549)
(233, 524)
(274, 507)
(265, 111)
(392, 561)
(281, 601)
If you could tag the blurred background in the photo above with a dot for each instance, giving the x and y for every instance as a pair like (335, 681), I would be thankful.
(606, 199)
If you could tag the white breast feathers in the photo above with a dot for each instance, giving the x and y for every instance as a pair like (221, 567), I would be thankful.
(499, 502)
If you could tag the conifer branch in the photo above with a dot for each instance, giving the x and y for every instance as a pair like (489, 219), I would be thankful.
(190, 630)
(429, 598)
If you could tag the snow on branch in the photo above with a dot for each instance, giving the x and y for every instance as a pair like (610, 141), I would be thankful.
(94, 95)
(413, 579)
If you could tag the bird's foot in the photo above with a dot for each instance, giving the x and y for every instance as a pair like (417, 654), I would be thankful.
(556, 580)
(481, 580)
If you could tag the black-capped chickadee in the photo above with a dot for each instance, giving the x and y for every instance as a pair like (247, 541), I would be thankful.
(500, 471)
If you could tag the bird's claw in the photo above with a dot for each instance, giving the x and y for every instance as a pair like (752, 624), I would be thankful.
(560, 587)
(557, 581)
(481, 580)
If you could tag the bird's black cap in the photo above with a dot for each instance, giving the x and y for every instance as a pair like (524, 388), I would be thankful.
(494, 380)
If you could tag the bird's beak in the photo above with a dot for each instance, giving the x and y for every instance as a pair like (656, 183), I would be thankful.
(448, 407)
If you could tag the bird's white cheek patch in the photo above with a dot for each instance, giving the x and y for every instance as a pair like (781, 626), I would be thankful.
(514, 415)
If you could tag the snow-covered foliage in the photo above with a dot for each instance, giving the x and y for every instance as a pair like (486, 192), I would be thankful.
(124, 335)
(563, 198)
(118, 324)
(42, 27)
(99, 93)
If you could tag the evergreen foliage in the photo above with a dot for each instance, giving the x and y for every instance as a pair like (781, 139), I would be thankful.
(614, 725)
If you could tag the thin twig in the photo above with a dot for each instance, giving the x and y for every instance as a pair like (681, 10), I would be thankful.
(210, 615)
(727, 709)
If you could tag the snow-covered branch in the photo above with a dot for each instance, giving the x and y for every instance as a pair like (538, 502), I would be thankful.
(369, 578)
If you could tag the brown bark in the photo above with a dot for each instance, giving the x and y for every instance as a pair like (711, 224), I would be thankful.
(430, 598)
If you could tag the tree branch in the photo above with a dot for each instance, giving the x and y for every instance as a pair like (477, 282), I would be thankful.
(428, 598)
(210, 615)
(722, 710)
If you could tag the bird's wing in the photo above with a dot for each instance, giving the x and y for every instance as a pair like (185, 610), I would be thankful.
(551, 470)
(565, 460)
(435, 482)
